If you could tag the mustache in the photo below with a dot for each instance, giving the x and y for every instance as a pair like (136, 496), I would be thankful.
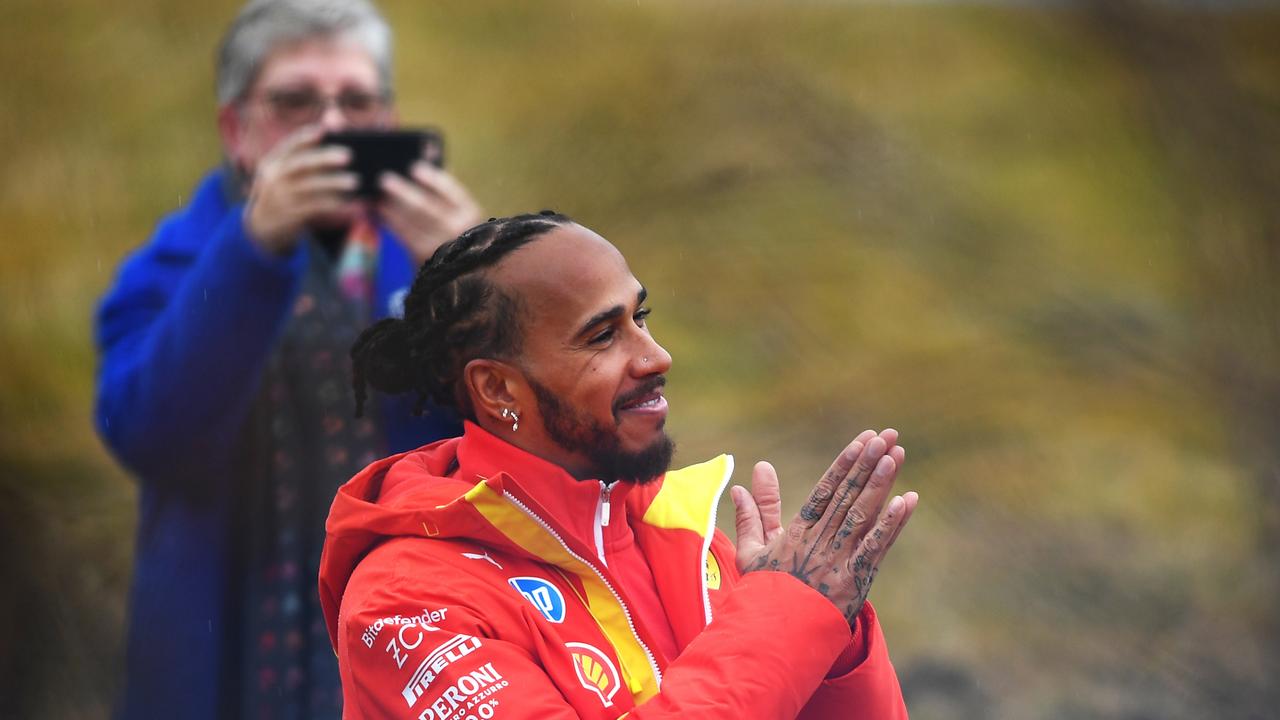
(648, 387)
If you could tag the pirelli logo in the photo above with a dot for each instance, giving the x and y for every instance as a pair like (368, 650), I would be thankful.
(435, 663)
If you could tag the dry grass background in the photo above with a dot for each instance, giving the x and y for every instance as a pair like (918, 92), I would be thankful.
(1041, 242)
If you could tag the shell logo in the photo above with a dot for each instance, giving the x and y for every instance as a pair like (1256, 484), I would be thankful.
(595, 671)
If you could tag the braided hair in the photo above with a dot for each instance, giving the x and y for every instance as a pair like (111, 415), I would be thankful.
(452, 315)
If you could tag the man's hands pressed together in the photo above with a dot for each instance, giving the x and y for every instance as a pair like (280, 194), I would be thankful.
(836, 542)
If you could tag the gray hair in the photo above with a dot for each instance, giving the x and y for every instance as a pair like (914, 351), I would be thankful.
(266, 25)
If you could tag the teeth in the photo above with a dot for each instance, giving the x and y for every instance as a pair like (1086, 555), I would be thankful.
(647, 403)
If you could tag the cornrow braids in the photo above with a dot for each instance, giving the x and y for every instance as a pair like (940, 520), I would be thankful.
(452, 315)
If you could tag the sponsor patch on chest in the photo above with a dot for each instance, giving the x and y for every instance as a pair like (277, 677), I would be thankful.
(544, 596)
(596, 671)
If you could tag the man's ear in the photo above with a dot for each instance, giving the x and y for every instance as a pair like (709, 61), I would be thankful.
(493, 386)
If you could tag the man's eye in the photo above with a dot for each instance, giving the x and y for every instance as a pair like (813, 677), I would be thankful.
(601, 337)
(640, 316)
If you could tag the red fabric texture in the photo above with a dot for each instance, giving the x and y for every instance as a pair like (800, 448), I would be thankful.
(438, 614)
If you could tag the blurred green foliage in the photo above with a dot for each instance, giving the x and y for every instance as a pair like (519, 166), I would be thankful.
(1043, 243)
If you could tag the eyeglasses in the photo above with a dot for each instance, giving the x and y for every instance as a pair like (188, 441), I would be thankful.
(299, 106)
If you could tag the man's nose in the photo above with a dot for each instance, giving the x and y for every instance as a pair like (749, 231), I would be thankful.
(653, 359)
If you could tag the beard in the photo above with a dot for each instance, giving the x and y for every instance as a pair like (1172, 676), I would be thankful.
(576, 432)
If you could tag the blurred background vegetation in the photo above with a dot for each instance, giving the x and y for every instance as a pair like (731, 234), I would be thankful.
(1041, 240)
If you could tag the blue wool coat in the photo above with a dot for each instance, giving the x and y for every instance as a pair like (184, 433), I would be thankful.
(184, 336)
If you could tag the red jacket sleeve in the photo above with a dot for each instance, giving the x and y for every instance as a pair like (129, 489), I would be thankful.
(766, 651)
(870, 690)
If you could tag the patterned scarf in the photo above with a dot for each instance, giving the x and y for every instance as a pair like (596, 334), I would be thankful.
(305, 444)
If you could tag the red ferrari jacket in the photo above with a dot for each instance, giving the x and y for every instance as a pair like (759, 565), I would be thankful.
(467, 580)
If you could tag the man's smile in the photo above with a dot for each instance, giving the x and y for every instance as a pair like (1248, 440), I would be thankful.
(646, 399)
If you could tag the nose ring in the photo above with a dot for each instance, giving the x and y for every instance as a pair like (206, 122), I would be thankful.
(646, 360)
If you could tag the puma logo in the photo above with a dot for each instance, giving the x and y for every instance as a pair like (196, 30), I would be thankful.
(482, 556)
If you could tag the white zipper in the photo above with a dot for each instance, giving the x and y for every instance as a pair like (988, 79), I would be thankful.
(602, 521)
(653, 664)
(605, 489)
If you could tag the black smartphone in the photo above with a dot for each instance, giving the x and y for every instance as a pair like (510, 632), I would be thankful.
(374, 152)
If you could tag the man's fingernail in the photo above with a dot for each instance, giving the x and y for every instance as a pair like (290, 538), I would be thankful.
(884, 466)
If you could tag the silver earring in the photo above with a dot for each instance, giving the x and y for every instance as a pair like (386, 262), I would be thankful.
(513, 416)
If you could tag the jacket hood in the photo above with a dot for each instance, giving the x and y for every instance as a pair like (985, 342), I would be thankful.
(408, 494)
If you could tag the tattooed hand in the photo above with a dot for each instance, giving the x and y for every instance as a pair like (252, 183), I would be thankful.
(836, 542)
